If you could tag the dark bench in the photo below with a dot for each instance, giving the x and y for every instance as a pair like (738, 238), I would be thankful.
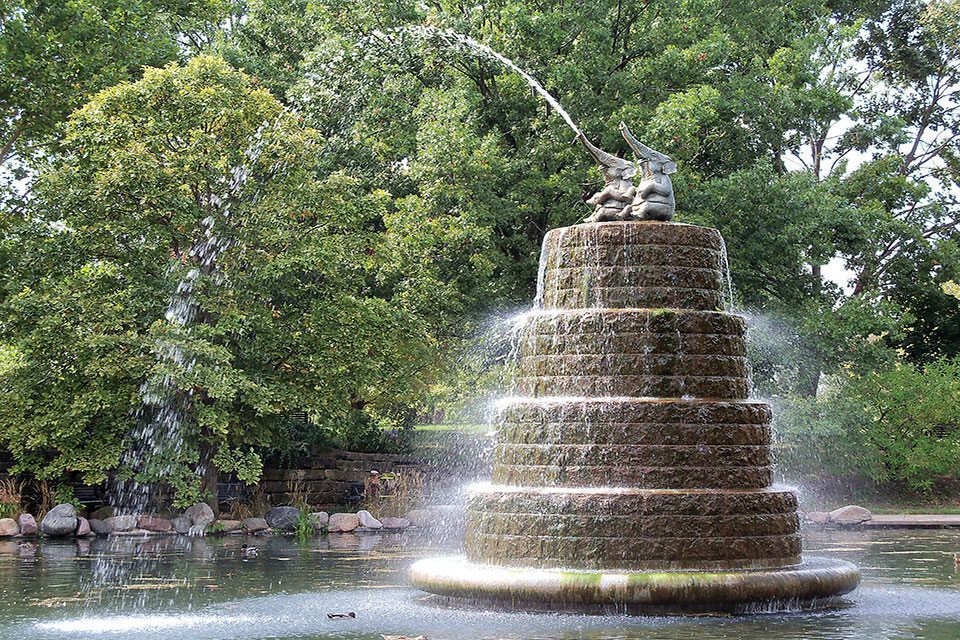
(90, 495)
(231, 491)
(355, 493)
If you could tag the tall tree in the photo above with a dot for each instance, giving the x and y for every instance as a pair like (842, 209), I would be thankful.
(188, 273)
(743, 94)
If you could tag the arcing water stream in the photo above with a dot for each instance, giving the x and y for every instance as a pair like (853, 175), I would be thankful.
(155, 447)
(460, 42)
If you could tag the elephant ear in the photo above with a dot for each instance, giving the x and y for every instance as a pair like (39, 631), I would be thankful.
(604, 159)
(645, 152)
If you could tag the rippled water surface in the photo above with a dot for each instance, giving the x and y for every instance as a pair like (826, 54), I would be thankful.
(187, 588)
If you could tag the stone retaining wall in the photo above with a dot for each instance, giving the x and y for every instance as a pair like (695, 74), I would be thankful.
(325, 476)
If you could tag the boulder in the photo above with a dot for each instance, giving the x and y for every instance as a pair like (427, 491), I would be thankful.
(103, 513)
(341, 522)
(817, 517)
(254, 524)
(228, 526)
(283, 518)
(394, 523)
(319, 519)
(60, 521)
(120, 524)
(850, 514)
(83, 527)
(367, 520)
(181, 524)
(159, 525)
(99, 527)
(28, 525)
(9, 527)
(200, 514)
(424, 517)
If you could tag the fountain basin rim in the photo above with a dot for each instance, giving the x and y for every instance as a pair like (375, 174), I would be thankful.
(816, 582)
(489, 487)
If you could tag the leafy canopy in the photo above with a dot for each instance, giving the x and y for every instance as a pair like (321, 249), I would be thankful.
(193, 177)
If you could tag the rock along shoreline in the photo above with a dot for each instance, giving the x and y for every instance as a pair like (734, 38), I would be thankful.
(63, 521)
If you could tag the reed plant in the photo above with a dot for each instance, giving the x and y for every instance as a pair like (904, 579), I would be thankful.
(11, 497)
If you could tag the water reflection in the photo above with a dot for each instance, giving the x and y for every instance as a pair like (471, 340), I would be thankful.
(182, 588)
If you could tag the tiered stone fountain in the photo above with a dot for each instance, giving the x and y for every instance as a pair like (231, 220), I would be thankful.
(632, 473)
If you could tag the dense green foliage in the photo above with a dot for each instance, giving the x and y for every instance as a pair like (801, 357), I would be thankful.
(54, 55)
(403, 197)
(763, 105)
(899, 425)
(282, 317)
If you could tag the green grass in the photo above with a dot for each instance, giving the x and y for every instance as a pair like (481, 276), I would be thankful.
(890, 504)
(894, 507)
(452, 427)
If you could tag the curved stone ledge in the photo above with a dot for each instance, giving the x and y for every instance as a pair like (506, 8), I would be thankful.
(672, 234)
(816, 582)
(583, 270)
(588, 296)
(629, 321)
(633, 364)
(625, 255)
(634, 276)
(633, 455)
(632, 553)
(637, 433)
(646, 477)
(612, 526)
(720, 387)
(680, 344)
(597, 411)
(631, 501)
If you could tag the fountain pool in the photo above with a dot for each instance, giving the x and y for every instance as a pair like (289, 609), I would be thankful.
(186, 588)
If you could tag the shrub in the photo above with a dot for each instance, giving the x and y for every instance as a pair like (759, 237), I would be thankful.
(216, 528)
(359, 430)
(900, 425)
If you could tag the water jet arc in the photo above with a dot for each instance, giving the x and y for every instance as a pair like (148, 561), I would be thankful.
(633, 474)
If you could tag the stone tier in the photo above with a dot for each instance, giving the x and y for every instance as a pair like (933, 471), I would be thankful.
(633, 421)
(649, 265)
(648, 443)
(633, 529)
(659, 475)
(635, 386)
(637, 353)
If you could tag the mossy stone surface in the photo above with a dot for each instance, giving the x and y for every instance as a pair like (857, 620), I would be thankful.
(629, 453)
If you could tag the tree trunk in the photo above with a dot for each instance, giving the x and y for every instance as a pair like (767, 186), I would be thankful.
(808, 380)
(808, 374)
(210, 475)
